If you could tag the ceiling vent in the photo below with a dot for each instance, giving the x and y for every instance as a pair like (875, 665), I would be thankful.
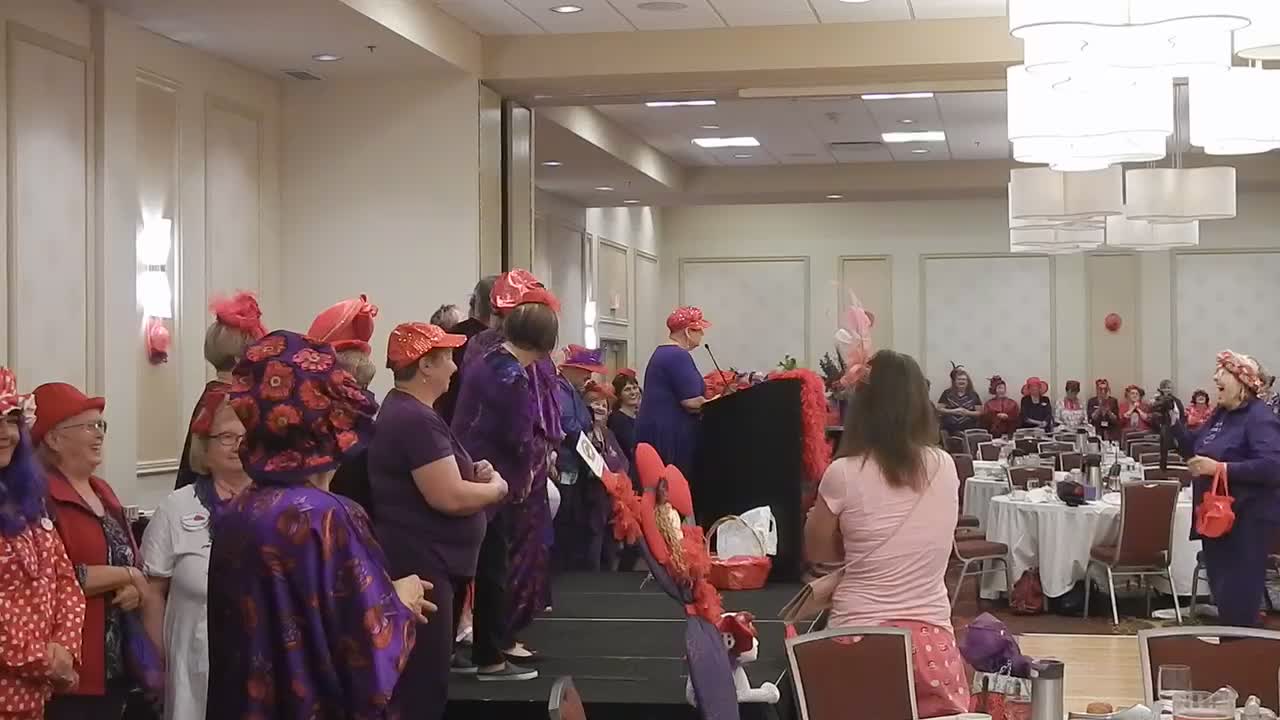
(302, 75)
(852, 147)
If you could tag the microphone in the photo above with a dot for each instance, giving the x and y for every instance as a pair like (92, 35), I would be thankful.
(713, 358)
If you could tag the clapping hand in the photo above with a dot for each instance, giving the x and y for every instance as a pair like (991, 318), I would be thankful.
(412, 591)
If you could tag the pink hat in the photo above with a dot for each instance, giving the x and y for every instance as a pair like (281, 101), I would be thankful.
(347, 325)
(686, 318)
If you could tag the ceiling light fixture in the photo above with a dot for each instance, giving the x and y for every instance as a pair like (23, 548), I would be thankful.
(662, 6)
(743, 156)
(835, 196)
(604, 188)
(566, 9)
(726, 142)
(907, 121)
(551, 163)
(854, 2)
(326, 57)
(919, 151)
(679, 103)
(910, 137)
(898, 96)
(630, 202)
(710, 127)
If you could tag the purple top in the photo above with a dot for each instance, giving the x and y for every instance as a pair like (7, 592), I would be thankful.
(419, 538)
(496, 415)
(663, 422)
(304, 621)
(1248, 440)
(575, 419)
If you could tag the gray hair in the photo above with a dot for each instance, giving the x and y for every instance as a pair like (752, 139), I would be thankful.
(481, 302)
(447, 316)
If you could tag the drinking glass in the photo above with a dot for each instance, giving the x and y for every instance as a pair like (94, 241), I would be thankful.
(1200, 705)
(1173, 679)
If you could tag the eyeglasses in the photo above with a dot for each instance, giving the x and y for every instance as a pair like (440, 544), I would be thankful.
(228, 439)
(97, 425)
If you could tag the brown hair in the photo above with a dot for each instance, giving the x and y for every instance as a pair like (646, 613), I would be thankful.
(891, 421)
(224, 346)
(410, 371)
(532, 326)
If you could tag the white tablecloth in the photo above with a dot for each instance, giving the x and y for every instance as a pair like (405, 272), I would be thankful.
(1057, 539)
(978, 494)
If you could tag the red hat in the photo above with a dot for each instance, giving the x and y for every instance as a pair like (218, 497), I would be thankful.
(518, 287)
(240, 311)
(686, 318)
(627, 372)
(410, 341)
(579, 357)
(1036, 383)
(56, 402)
(595, 388)
(347, 325)
(214, 395)
(11, 401)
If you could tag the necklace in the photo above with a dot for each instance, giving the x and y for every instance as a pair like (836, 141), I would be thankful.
(224, 489)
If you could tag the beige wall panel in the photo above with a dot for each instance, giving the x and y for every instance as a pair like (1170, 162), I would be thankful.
(233, 185)
(651, 310)
(490, 182)
(871, 278)
(612, 293)
(1112, 286)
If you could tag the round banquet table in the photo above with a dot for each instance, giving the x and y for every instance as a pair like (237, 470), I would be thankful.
(978, 494)
(1057, 539)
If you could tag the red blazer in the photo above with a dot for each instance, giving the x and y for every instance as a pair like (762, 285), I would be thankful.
(86, 544)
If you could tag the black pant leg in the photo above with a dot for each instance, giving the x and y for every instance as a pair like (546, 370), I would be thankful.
(487, 614)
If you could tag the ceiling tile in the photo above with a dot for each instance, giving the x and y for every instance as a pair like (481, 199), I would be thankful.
(941, 9)
(699, 14)
(596, 16)
(976, 124)
(490, 17)
(743, 13)
(839, 120)
(862, 154)
(908, 152)
(744, 156)
(834, 11)
(889, 114)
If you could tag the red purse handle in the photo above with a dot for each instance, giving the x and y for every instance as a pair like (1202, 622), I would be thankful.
(1220, 476)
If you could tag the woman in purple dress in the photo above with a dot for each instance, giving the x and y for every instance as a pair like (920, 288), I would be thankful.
(304, 620)
(1244, 435)
(506, 415)
(674, 388)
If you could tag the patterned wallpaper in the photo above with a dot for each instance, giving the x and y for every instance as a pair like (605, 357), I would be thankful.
(758, 309)
(1224, 300)
(990, 314)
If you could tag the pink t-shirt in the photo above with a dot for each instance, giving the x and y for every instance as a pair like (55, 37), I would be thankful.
(904, 578)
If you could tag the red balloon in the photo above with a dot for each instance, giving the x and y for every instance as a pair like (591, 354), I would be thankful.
(1112, 322)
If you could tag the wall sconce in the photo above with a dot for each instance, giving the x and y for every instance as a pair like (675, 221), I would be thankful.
(155, 297)
(589, 337)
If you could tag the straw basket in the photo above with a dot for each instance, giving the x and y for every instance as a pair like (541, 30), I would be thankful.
(742, 572)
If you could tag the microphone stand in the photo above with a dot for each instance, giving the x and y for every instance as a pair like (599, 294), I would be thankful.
(713, 360)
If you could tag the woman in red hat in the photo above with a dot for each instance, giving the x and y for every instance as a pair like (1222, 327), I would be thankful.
(507, 414)
(1135, 413)
(1037, 409)
(348, 327)
(43, 605)
(69, 434)
(1001, 414)
(431, 498)
(668, 419)
(582, 519)
(237, 324)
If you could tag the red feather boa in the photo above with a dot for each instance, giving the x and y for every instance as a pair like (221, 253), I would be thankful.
(813, 409)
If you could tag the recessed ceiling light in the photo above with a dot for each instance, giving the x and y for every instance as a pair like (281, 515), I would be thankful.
(907, 121)
(662, 6)
(551, 163)
(898, 96)
(909, 137)
(728, 142)
(743, 156)
(835, 196)
(919, 151)
(604, 188)
(679, 103)
(326, 57)
(630, 202)
(855, 2)
(566, 9)
(710, 127)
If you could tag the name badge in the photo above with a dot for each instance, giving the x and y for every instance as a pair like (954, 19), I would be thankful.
(46, 524)
(590, 455)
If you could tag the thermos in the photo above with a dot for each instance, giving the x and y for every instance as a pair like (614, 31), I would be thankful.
(1093, 475)
(1047, 690)
(1082, 441)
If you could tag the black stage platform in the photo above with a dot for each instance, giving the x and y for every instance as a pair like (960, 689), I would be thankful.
(622, 641)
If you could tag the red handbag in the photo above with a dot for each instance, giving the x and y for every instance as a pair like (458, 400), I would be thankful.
(1214, 516)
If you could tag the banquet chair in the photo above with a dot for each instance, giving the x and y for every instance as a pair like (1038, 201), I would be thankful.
(972, 547)
(1153, 458)
(1143, 447)
(1244, 658)
(565, 703)
(989, 451)
(1069, 461)
(1029, 445)
(956, 445)
(1138, 436)
(1200, 572)
(975, 438)
(868, 668)
(1055, 446)
(964, 471)
(1066, 437)
(1174, 472)
(1144, 547)
(1019, 476)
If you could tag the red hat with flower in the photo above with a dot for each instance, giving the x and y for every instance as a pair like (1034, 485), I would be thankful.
(240, 311)
(347, 325)
(594, 388)
(1244, 368)
(577, 356)
(410, 341)
(686, 318)
(518, 287)
(11, 401)
(302, 413)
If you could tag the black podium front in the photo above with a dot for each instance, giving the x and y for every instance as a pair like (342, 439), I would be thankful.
(750, 455)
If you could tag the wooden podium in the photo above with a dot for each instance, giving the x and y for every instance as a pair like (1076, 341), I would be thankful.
(749, 456)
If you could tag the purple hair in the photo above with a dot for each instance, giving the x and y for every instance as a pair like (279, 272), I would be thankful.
(22, 488)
